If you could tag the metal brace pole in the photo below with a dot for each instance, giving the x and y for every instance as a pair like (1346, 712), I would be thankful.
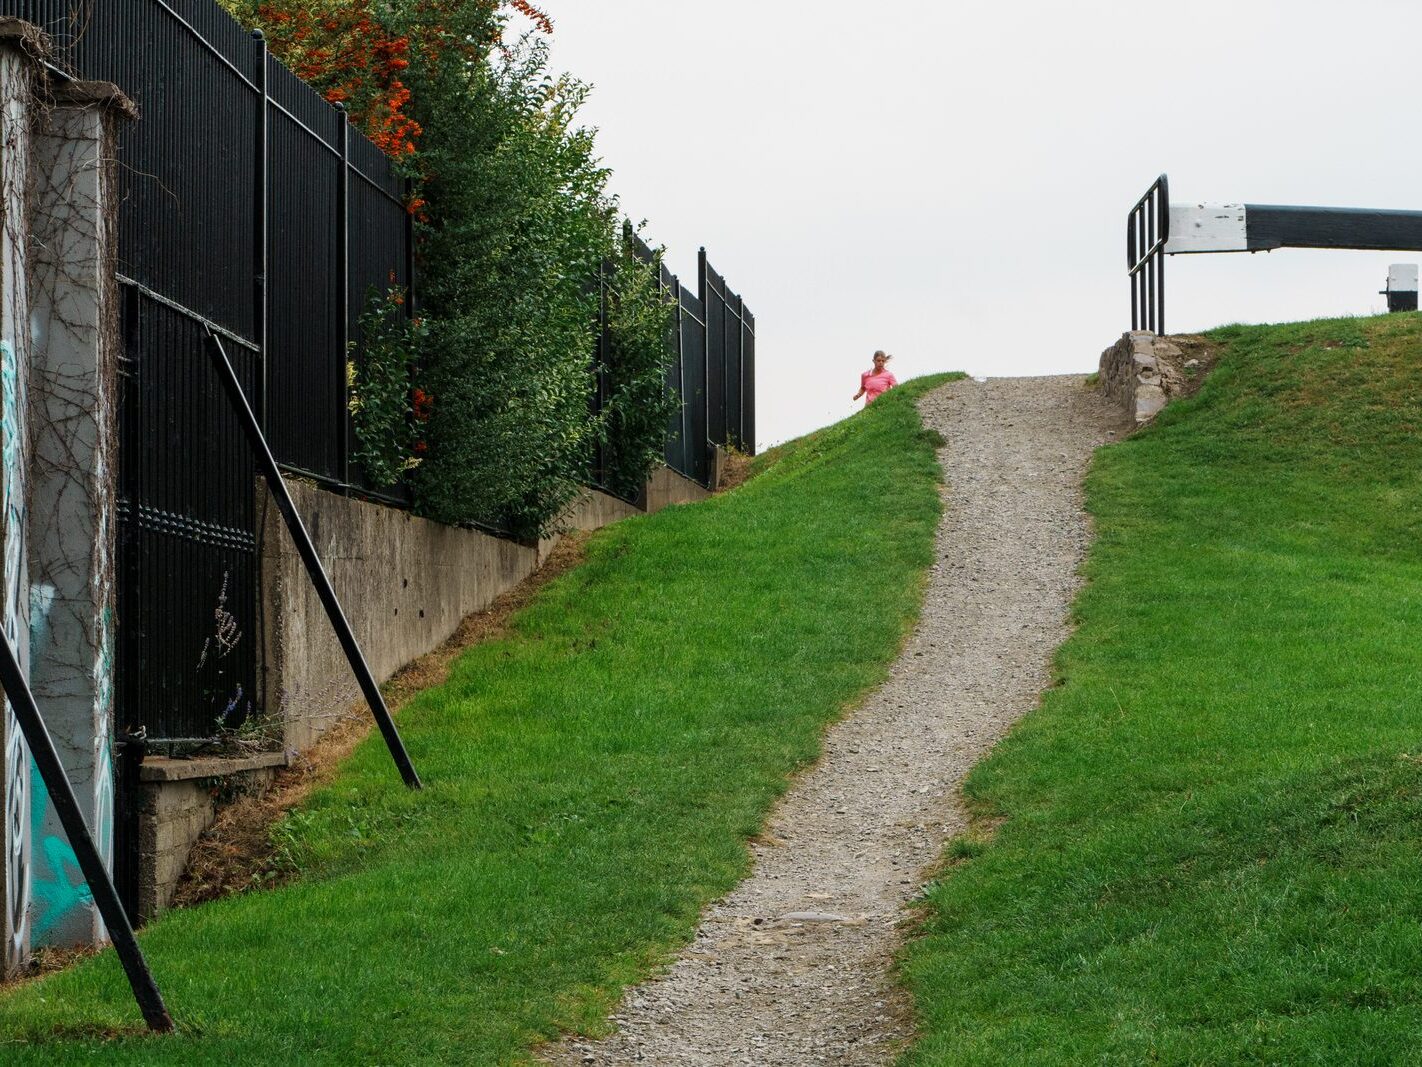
(61, 795)
(317, 573)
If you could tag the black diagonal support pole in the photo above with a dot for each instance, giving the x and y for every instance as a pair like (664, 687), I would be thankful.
(61, 795)
(314, 569)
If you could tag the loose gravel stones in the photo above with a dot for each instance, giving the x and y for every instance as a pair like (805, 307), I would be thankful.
(794, 966)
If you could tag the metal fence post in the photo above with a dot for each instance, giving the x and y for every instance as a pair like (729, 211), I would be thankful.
(306, 549)
(343, 245)
(260, 235)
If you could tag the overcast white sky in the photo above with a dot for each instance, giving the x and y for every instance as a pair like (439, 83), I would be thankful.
(949, 181)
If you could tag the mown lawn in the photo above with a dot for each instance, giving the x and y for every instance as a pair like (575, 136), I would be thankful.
(590, 784)
(1212, 850)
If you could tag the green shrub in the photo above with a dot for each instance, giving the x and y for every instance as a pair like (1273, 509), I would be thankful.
(514, 222)
(633, 424)
(388, 413)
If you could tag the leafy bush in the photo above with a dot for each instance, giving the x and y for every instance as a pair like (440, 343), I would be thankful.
(514, 223)
(518, 226)
(388, 411)
(640, 319)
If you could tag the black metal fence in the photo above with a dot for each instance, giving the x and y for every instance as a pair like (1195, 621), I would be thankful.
(1147, 231)
(251, 207)
(730, 362)
(687, 440)
(710, 369)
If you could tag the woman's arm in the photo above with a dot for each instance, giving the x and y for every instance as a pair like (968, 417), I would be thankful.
(860, 393)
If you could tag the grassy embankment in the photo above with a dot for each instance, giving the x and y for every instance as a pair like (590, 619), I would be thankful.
(1213, 841)
(590, 784)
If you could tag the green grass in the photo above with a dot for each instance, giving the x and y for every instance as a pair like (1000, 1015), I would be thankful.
(590, 784)
(1212, 850)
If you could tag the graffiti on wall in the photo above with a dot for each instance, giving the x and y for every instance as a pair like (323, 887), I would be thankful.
(60, 899)
(61, 903)
(13, 620)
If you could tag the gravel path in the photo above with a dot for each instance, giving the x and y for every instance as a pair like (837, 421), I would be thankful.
(794, 966)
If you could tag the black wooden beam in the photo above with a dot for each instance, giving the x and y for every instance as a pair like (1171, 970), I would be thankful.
(1276, 226)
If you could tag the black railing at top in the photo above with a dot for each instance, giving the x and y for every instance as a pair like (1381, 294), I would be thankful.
(1147, 231)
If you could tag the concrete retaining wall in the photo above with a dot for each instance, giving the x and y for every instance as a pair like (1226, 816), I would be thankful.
(179, 803)
(405, 583)
(666, 486)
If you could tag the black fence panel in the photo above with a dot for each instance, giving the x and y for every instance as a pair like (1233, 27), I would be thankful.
(713, 299)
(730, 336)
(691, 337)
(305, 362)
(733, 334)
(189, 182)
(187, 561)
(249, 207)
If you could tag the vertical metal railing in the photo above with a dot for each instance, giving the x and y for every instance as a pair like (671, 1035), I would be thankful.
(730, 362)
(261, 223)
(343, 257)
(1147, 231)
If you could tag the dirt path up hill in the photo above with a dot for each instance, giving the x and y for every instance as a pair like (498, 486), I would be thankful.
(794, 966)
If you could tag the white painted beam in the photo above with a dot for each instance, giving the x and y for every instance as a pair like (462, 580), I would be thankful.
(1207, 228)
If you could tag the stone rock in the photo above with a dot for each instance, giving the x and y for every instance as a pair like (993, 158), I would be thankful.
(1140, 373)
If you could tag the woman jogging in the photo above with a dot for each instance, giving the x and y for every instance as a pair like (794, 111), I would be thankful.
(874, 382)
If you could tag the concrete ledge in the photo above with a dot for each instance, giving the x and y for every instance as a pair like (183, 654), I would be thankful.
(104, 95)
(178, 804)
(28, 37)
(164, 769)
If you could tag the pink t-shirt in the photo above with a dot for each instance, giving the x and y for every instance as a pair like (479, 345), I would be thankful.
(875, 384)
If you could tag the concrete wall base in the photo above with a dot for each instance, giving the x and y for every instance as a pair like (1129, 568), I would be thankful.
(179, 801)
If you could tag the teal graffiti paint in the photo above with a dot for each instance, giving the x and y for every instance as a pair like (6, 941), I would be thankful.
(57, 883)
